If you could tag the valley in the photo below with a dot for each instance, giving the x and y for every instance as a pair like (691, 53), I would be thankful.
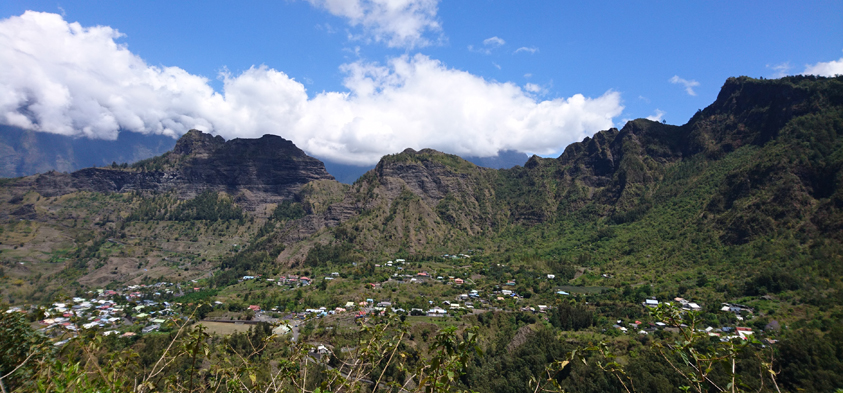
(727, 228)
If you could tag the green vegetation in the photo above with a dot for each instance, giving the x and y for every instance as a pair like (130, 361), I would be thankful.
(740, 208)
(288, 211)
(207, 206)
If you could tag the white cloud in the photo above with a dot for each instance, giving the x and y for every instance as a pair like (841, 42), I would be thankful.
(533, 88)
(493, 41)
(536, 89)
(418, 102)
(529, 50)
(489, 44)
(64, 78)
(657, 116)
(398, 23)
(829, 68)
(689, 84)
(780, 70)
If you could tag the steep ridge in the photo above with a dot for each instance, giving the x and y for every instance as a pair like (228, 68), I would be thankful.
(410, 200)
(256, 171)
(761, 162)
(771, 149)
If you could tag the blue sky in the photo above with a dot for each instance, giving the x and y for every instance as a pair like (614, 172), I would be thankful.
(352, 80)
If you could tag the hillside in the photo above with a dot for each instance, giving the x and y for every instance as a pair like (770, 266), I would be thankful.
(172, 215)
(746, 193)
(759, 168)
(768, 150)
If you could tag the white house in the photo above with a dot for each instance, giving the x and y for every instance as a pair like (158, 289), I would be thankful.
(436, 312)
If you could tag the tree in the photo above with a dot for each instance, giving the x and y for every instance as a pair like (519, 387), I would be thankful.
(21, 349)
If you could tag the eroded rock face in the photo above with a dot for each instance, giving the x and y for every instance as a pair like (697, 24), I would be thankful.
(256, 171)
(425, 173)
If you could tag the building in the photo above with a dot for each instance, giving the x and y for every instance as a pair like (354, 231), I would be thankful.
(436, 312)
(744, 332)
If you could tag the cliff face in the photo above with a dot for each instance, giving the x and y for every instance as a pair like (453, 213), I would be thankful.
(753, 112)
(256, 171)
(270, 166)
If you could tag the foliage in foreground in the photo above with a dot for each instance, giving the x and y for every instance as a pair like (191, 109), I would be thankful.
(381, 359)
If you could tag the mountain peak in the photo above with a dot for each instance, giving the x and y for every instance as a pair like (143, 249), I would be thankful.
(268, 146)
(256, 171)
(196, 142)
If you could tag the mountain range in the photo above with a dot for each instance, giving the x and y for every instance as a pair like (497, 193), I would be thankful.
(26, 152)
(763, 159)
(754, 180)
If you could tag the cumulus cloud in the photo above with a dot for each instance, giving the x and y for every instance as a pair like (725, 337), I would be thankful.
(64, 78)
(397, 23)
(419, 102)
(689, 84)
(67, 79)
(529, 50)
(829, 68)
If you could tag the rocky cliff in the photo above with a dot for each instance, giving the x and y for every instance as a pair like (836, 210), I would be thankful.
(255, 171)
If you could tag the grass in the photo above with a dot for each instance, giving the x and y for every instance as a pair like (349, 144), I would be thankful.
(225, 329)
(442, 322)
(588, 290)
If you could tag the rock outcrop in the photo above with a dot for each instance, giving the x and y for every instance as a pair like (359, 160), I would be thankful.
(256, 171)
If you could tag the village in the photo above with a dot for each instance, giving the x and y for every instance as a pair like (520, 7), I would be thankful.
(147, 309)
